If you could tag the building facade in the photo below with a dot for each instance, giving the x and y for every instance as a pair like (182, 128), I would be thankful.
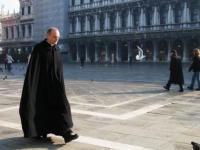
(17, 32)
(21, 31)
(110, 30)
(51, 13)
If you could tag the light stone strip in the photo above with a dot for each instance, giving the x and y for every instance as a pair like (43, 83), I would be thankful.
(96, 105)
(125, 116)
(86, 140)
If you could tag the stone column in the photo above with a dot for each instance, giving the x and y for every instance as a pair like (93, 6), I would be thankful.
(155, 51)
(77, 53)
(186, 14)
(32, 30)
(107, 22)
(156, 17)
(169, 49)
(118, 52)
(170, 16)
(96, 53)
(26, 31)
(15, 32)
(185, 51)
(9, 33)
(87, 54)
(20, 31)
(87, 25)
(78, 29)
(129, 50)
(117, 21)
(70, 26)
(142, 17)
(130, 20)
(107, 53)
(97, 23)
(4, 33)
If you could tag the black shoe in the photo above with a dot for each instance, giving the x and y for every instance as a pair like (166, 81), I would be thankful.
(181, 90)
(198, 89)
(196, 146)
(70, 137)
(166, 88)
(190, 88)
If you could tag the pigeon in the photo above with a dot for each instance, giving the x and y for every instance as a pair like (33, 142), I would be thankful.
(140, 55)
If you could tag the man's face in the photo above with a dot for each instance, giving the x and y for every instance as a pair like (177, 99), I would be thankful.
(53, 37)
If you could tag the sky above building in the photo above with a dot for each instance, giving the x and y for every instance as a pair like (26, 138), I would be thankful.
(9, 5)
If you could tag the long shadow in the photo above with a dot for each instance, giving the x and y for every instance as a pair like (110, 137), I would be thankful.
(20, 143)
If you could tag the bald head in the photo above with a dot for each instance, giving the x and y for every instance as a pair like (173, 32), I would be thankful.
(53, 35)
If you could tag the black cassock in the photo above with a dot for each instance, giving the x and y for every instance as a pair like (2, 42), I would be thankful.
(44, 107)
(176, 72)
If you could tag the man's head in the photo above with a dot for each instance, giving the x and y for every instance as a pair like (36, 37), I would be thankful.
(173, 53)
(53, 35)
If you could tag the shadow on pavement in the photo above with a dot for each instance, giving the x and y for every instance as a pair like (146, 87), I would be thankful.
(20, 143)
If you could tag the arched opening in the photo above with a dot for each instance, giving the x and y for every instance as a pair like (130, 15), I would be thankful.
(92, 52)
(149, 50)
(112, 52)
(162, 50)
(124, 51)
(102, 53)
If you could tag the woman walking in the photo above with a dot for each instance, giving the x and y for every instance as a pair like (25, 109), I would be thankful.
(176, 73)
(195, 67)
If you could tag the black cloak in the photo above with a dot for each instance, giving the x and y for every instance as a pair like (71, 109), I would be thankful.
(176, 72)
(44, 107)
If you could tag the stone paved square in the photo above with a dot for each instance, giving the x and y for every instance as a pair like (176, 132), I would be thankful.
(114, 107)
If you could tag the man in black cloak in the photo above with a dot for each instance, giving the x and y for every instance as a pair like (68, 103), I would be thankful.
(44, 107)
(176, 72)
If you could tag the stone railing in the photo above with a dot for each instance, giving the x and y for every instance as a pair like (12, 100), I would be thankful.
(98, 4)
(141, 29)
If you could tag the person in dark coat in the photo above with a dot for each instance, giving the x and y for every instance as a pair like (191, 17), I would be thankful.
(44, 107)
(82, 59)
(195, 67)
(176, 73)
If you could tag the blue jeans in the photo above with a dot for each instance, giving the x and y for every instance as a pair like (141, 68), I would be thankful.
(195, 77)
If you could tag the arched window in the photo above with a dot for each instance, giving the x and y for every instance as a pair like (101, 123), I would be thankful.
(163, 15)
(178, 13)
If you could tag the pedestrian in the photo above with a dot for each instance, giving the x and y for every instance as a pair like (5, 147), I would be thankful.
(176, 72)
(10, 60)
(195, 67)
(5, 62)
(44, 107)
(82, 59)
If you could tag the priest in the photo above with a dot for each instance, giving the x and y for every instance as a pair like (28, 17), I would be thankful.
(44, 107)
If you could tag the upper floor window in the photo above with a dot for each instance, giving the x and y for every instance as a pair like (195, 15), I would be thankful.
(73, 2)
(91, 1)
(29, 10)
(136, 18)
(23, 11)
(149, 16)
(178, 13)
(194, 14)
(163, 15)
(82, 1)
(30, 30)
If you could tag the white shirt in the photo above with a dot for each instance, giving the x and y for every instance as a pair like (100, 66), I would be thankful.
(10, 59)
